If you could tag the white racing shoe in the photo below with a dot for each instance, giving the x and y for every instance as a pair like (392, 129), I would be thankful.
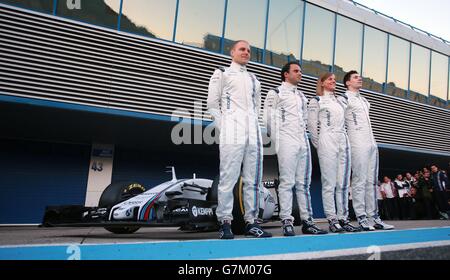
(379, 224)
(364, 224)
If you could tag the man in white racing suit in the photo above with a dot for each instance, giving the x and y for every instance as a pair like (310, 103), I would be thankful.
(234, 101)
(364, 151)
(285, 113)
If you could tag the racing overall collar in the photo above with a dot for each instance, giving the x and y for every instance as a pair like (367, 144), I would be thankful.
(353, 93)
(238, 67)
(328, 93)
(289, 86)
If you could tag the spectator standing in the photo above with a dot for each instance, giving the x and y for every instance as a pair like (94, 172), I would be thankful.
(388, 192)
(410, 180)
(403, 201)
(439, 181)
(417, 205)
(381, 202)
(424, 187)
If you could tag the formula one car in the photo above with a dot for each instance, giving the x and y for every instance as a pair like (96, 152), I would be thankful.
(124, 207)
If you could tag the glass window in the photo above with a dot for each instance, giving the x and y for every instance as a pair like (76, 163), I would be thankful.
(99, 12)
(448, 86)
(246, 20)
(200, 23)
(348, 47)
(420, 73)
(153, 18)
(374, 59)
(284, 31)
(398, 67)
(318, 40)
(439, 79)
(45, 6)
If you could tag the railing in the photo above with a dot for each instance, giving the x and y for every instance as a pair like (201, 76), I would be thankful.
(400, 22)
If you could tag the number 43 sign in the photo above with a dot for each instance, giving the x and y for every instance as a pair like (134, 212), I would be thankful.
(97, 166)
(100, 172)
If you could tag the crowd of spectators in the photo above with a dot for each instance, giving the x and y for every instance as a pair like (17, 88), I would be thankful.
(424, 195)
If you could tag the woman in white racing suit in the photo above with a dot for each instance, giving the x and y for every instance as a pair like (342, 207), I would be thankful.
(326, 123)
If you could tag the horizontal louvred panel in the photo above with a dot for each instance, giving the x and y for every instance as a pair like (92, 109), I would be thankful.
(55, 59)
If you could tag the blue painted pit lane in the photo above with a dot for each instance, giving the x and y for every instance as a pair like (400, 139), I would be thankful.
(224, 249)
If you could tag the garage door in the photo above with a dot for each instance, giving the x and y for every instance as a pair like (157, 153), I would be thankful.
(36, 174)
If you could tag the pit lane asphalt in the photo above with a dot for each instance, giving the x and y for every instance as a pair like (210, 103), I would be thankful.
(34, 235)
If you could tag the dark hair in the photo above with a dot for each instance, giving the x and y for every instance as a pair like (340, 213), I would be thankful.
(348, 76)
(287, 67)
(434, 164)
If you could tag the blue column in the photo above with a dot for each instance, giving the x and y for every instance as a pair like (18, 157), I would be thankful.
(362, 48)
(334, 42)
(448, 83)
(303, 33)
(120, 15)
(55, 4)
(429, 78)
(175, 21)
(409, 71)
(387, 63)
(222, 40)
(265, 32)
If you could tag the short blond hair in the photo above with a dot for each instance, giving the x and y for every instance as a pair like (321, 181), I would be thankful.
(322, 78)
(237, 42)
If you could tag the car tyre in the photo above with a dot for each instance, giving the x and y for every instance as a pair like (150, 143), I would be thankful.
(116, 193)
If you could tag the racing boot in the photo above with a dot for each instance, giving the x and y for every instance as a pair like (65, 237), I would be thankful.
(443, 216)
(255, 230)
(335, 226)
(288, 228)
(379, 224)
(225, 230)
(309, 227)
(364, 224)
(348, 227)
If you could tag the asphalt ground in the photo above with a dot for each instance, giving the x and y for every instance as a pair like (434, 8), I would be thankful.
(424, 239)
(33, 235)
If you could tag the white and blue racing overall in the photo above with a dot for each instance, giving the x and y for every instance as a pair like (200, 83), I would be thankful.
(326, 125)
(234, 101)
(285, 117)
(364, 154)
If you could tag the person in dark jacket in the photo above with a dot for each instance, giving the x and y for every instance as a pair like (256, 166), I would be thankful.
(403, 197)
(439, 181)
(417, 204)
(425, 189)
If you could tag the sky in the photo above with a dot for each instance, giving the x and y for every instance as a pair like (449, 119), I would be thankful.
(430, 15)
